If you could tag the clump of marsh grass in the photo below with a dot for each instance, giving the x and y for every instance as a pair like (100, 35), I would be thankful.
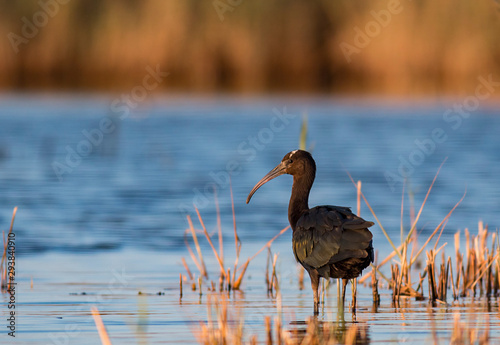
(407, 254)
(475, 272)
(479, 267)
(227, 281)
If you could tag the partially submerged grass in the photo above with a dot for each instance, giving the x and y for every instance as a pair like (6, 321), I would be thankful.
(226, 280)
(475, 272)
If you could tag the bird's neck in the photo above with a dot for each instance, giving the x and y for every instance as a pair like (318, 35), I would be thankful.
(299, 198)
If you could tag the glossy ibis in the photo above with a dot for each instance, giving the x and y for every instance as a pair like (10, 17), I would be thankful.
(329, 241)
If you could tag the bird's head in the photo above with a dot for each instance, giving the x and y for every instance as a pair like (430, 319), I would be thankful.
(296, 163)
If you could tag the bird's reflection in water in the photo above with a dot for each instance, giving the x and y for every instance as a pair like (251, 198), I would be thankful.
(314, 331)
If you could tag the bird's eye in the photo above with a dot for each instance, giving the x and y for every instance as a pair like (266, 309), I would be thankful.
(290, 161)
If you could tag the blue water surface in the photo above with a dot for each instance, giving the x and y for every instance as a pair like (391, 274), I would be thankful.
(103, 197)
(86, 178)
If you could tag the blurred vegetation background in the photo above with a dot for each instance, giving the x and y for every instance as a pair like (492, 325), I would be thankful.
(427, 47)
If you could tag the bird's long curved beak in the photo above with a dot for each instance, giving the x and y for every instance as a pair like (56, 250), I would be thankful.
(279, 170)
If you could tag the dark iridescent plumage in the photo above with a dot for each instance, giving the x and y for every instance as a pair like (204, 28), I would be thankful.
(328, 241)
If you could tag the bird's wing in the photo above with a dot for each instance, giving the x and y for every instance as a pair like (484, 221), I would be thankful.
(327, 234)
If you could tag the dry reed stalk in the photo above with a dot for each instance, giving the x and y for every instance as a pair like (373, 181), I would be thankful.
(489, 275)
(496, 282)
(464, 282)
(103, 334)
(180, 286)
(402, 212)
(460, 276)
(205, 232)
(395, 285)
(458, 257)
(274, 277)
(200, 281)
(201, 264)
(421, 280)
(268, 262)
(238, 281)
(430, 274)
(404, 279)
(454, 288)
(237, 242)
(358, 198)
(186, 267)
(219, 226)
(375, 294)
(443, 279)
(467, 243)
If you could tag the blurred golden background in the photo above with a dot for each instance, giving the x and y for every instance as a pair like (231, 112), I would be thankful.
(370, 47)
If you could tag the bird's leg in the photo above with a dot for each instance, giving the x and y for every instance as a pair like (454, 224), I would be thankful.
(314, 284)
(344, 284)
